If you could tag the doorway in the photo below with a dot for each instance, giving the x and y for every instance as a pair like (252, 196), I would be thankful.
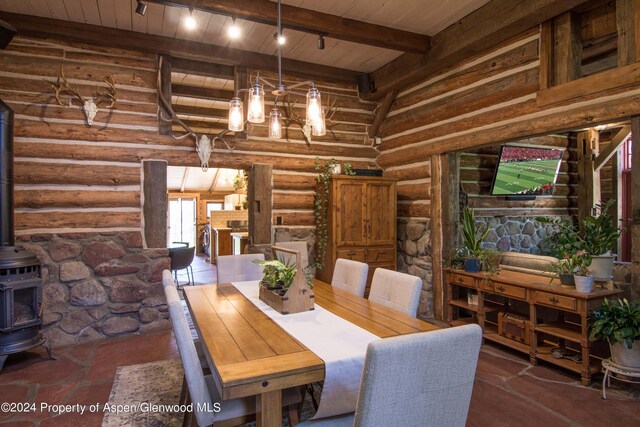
(182, 220)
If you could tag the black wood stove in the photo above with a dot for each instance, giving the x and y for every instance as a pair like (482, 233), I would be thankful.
(20, 274)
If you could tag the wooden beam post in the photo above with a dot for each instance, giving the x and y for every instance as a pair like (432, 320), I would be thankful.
(588, 179)
(627, 21)
(155, 204)
(546, 54)
(567, 48)
(381, 112)
(164, 127)
(438, 163)
(260, 203)
(450, 194)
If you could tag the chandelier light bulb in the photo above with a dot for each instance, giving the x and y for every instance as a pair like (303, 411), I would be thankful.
(256, 104)
(236, 119)
(319, 128)
(275, 126)
(313, 105)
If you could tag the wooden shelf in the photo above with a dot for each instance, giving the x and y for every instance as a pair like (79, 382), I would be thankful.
(462, 303)
(594, 365)
(491, 306)
(563, 330)
(495, 337)
(462, 322)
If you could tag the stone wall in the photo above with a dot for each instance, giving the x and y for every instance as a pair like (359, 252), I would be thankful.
(99, 285)
(414, 257)
(515, 234)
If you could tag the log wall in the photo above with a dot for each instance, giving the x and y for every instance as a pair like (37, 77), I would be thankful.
(71, 177)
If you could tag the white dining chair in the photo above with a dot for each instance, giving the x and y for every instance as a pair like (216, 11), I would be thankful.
(239, 268)
(399, 291)
(202, 390)
(422, 379)
(300, 246)
(350, 276)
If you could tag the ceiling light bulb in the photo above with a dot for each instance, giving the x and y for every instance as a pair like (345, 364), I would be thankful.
(281, 39)
(234, 30)
(190, 23)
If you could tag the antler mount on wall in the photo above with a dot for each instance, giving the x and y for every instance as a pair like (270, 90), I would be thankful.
(89, 105)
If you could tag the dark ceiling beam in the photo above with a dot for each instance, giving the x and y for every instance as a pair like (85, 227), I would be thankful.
(200, 111)
(310, 21)
(201, 92)
(189, 66)
(33, 26)
(492, 24)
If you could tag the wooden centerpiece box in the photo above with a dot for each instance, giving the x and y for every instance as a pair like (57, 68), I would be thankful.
(298, 297)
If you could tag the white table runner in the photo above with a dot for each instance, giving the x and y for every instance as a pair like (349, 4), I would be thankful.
(341, 344)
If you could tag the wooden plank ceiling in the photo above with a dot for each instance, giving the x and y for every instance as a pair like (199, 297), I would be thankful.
(414, 16)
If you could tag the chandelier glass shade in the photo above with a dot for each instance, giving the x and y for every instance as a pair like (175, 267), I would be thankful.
(256, 112)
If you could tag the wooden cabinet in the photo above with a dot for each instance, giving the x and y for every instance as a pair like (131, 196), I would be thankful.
(361, 223)
(549, 316)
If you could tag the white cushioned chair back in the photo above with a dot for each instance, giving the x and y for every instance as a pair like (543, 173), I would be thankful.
(290, 259)
(167, 279)
(422, 379)
(239, 268)
(399, 291)
(198, 390)
(350, 275)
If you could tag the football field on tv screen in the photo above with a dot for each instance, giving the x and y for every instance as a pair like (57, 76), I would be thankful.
(515, 177)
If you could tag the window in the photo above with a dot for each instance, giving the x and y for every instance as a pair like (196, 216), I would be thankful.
(214, 206)
(626, 211)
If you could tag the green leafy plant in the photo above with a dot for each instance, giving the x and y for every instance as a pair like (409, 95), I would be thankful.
(320, 207)
(580, 261)
(277, 274)
(600, 233)
(616, 322)
(563, 242)
(471, 233)
(489, 260)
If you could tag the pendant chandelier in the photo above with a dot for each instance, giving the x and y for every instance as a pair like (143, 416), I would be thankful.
(315, 114)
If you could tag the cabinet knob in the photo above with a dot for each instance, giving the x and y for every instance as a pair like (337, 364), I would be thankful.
(500, 288)
(554, 300)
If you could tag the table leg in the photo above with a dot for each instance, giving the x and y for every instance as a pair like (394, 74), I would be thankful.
(269, 409)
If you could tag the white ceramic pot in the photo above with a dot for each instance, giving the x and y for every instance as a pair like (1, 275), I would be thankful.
(336, 169)
(601, 267)
(627, 357)
(584, 284)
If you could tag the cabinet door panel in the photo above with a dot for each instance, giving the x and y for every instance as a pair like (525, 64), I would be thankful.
(350, 226)
(381, 199)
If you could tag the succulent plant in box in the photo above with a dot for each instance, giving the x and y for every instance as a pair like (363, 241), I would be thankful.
(277, 274)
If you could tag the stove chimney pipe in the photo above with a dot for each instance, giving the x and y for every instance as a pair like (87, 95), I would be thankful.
(7, 237)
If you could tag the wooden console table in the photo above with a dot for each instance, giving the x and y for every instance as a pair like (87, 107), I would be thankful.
(552, 317)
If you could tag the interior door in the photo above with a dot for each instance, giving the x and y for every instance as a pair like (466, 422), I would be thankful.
(351, 206)
(381, 199)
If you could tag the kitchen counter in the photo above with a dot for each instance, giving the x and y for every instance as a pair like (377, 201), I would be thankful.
(240, 240)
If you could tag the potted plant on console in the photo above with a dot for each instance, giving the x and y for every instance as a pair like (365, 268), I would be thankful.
(582, 277)
(600, 238)
(473, 238)
(619, 324)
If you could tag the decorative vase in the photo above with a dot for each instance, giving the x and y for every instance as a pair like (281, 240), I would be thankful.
(627, 357)
(601, 267)
(584, 284)
(472, 265)
(566, 279)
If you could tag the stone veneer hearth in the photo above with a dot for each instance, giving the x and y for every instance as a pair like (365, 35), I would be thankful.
(515, 234)
(414, 257)
(99, 285)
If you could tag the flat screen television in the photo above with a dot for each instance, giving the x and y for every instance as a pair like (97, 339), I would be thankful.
(526, 171)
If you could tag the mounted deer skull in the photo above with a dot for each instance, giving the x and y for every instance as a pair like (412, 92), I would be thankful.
(89, 105)
(204, 145)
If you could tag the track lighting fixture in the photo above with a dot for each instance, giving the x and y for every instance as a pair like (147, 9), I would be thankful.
(321, 42)
(141, 8)
(190, 22)
(234, 30)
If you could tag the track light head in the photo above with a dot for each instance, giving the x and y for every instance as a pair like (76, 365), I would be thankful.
(321, 42)
(141, 8)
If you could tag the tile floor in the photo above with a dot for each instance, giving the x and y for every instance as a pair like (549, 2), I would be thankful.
(508, 391)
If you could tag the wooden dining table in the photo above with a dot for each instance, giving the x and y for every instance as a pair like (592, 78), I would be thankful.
(250, 355)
